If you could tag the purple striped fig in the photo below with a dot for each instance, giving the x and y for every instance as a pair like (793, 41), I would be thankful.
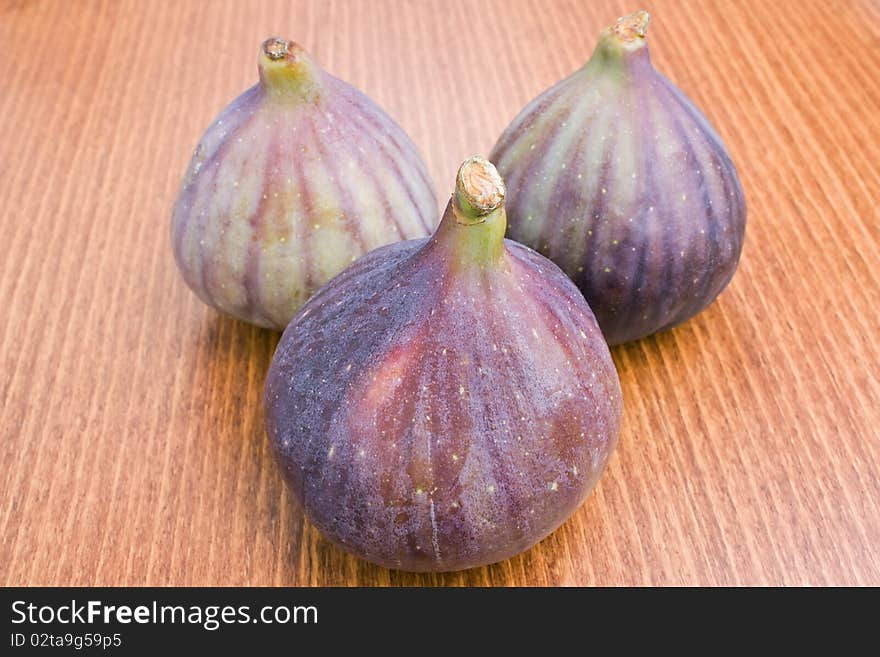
(446, 402)
(620, 180)
(295, 179)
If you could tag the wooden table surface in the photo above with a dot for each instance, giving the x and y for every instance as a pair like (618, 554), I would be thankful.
(131, 431)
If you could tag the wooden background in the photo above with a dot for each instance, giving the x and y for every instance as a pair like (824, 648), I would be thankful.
(131, 438)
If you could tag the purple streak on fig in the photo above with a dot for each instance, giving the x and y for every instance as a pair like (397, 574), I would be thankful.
(620, 180)
(298, 177)
(446, 402)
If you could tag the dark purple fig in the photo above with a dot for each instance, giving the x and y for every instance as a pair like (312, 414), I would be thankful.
(620, 180)
(297, 177)
(447, 402)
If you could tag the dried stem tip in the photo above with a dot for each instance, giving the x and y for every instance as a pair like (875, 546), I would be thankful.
(633, 27)
(479, 187)
(287, 71)
(276, 48)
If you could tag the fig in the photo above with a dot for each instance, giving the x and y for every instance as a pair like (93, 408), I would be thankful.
(445, 402)
(620, 180)
(298, 177)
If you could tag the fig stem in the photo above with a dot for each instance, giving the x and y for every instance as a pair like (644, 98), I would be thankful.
(625, 41)
(287, 71)
(632, 28)
(479, 190)
(476, 219)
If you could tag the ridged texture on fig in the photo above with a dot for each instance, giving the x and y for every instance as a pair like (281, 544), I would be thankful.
(620, 180)
(298, 177)
(444, 403)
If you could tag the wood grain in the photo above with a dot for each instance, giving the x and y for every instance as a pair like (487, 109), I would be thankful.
(131, 436)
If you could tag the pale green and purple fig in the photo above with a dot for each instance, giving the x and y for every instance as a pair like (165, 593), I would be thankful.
(620, 180)
(445, 402)
(295, 179)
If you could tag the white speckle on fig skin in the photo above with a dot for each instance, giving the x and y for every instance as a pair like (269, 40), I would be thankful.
(460, 439)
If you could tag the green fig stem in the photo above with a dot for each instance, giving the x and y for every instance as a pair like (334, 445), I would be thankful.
(479, 190)
(287, 71)
(476, 219)
(628, 36)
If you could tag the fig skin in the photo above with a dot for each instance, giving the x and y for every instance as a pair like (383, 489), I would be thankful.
(618, 178)
(295, 179)
(448, 402)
